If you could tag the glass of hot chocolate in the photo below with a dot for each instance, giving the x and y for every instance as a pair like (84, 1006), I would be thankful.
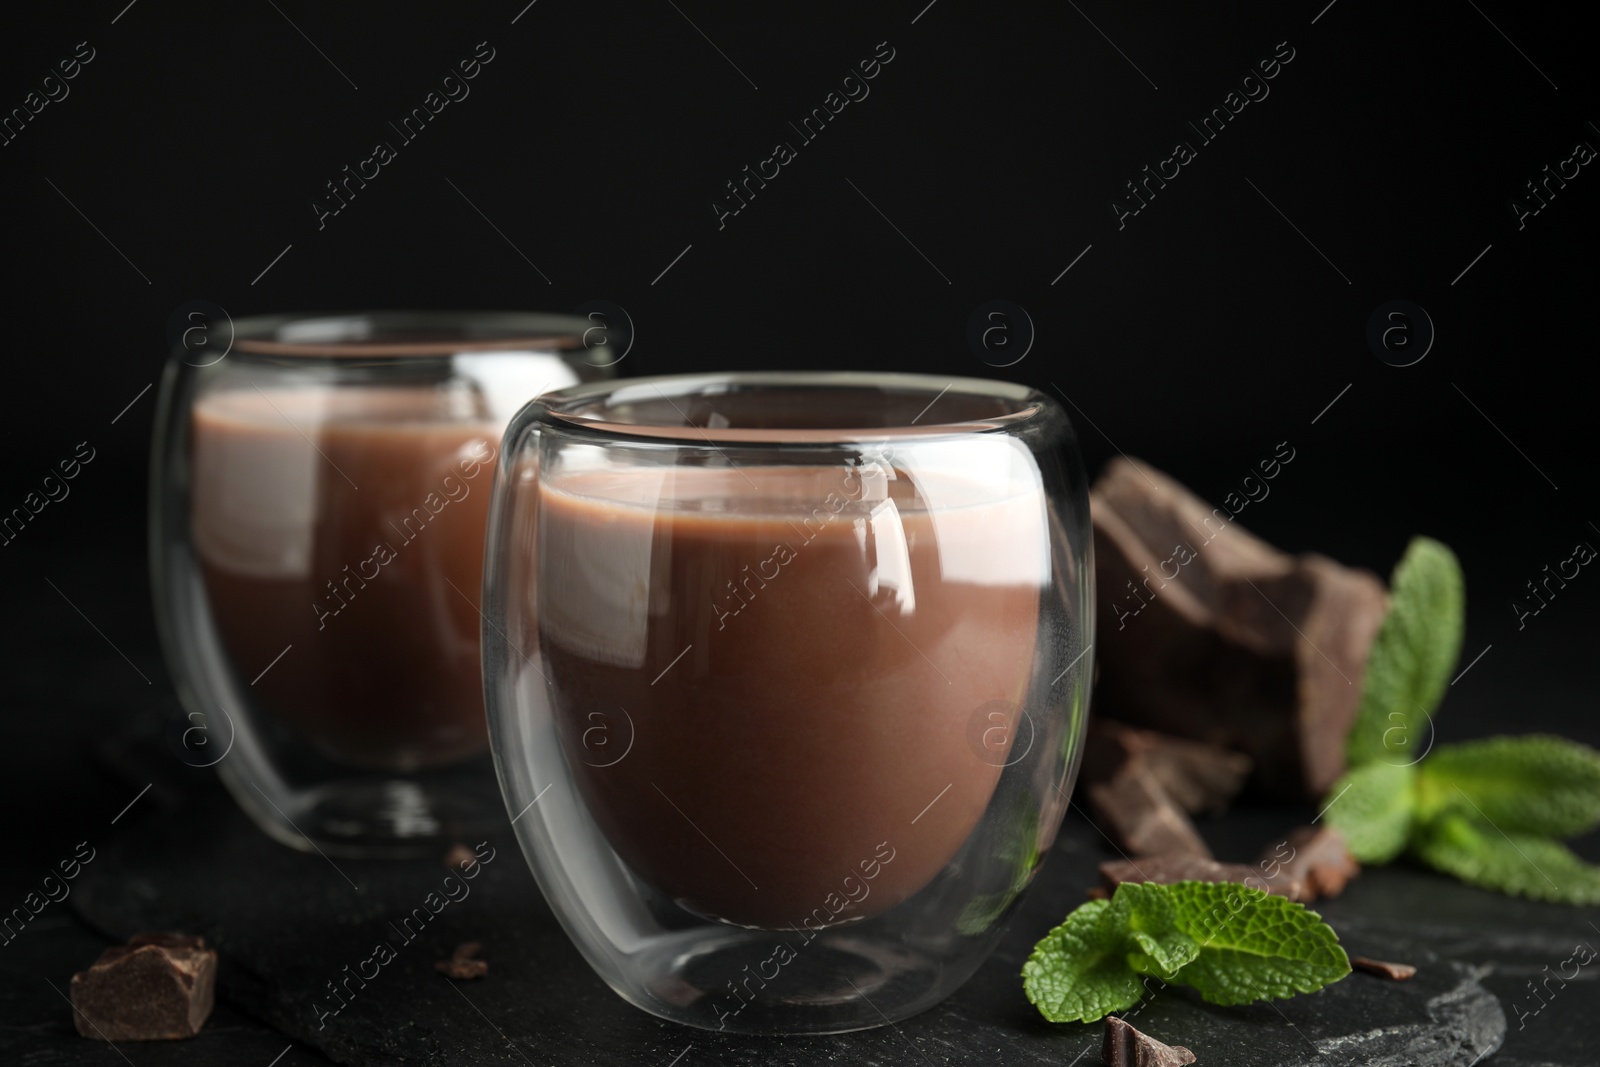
(319, 491)
(787, 675)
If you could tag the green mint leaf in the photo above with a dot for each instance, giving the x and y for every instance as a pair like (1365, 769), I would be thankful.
(1252, 945)
(1519, 864)
(1412, 656)
(1155, 943)
(1374, 807)
(1079, 972)
(1539, 784)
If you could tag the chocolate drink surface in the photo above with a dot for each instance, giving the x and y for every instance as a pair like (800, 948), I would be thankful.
(346, 527)
(794, 657)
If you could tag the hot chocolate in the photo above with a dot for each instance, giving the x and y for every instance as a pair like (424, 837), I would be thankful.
(342, 530)
(787, 662)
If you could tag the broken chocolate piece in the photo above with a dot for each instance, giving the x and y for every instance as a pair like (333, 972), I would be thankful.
(1184, 867)
(1141, 818)
(1395, 972)
(1207, 632)
(156, 987)
(462, 963)
(1199, 777)
(1315, 857)
(1126, 1047)
(459, 857)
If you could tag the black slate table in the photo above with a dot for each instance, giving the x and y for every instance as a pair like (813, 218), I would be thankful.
(87, 739)
(286, 922)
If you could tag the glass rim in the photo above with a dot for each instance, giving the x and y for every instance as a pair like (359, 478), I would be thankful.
(360, 334)
(560, 409)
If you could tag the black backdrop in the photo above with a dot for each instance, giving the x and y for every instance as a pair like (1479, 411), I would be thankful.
(1223, 318)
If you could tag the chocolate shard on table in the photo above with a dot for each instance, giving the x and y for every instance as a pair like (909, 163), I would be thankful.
(1207, 632)
(1124, 1046)
(1185, 867)
(156, 987)
(1136, 812)
(1315, 858)
(1201, 778)
(1395, 972)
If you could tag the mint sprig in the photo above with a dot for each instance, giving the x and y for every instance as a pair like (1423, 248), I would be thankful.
(1231, 943)
(1487, 812)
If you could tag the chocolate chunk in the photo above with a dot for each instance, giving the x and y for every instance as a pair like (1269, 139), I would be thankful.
(1184, 867)
(1199, 777)
(1315, 857)
(462, 963)
(1395, 972)
(156, 987)
(1140, 817)
(459, 857)
(1126, 1047)
(1209, 633)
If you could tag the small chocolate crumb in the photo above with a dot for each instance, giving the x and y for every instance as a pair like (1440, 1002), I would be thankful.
(1098, 892)
(1395, 972)
(459, 857)
(156, 987)
(462, 963)
(1126, 1047)
(462, 969)
(1183, 867)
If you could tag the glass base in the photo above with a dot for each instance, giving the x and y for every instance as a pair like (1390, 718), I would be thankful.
(376, 816)
(800, 982)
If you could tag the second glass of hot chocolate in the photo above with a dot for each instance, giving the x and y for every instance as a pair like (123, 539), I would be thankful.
(320, 491)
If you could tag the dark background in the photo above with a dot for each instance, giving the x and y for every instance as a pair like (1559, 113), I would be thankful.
(1209, 329)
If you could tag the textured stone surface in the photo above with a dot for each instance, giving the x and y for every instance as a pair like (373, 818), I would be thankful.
(204, 868)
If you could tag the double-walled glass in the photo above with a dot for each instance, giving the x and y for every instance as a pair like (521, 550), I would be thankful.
(787, 677)
(319, 492)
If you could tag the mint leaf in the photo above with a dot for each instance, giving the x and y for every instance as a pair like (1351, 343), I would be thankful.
(1254, 946)
(1519, 864)
(1373, 806)
(1149, 915)
(1079, 972)
(1530, 785)
(1411, 658)
(1232, 943)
